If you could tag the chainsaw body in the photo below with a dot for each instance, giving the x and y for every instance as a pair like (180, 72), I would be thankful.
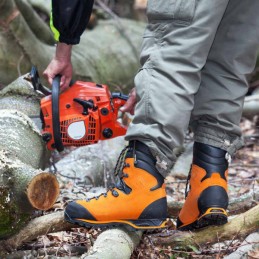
(81, 115)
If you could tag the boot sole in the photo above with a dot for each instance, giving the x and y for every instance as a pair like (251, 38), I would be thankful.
(132, 224)
(212, 217)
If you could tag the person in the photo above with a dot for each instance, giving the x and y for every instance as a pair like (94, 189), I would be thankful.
(195, 59)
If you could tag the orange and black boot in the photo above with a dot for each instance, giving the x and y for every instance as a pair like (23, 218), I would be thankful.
(138, 199)
(206, 190)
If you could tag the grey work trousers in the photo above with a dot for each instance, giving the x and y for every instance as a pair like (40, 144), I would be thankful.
(195, 57)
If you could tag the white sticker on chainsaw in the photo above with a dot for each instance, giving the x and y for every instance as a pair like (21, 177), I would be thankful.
(76, 130)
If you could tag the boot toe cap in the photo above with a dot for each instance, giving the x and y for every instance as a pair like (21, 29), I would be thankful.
(76, 211)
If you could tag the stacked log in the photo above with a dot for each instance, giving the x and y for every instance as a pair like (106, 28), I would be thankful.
(24, 186)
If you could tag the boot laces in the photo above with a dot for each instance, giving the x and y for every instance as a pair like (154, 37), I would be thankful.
(118, 172)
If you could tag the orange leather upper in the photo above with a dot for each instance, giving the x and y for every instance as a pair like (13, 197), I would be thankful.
(126, 206)
(190, 211)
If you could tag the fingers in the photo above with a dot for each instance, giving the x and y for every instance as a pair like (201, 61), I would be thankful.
(57, 67)
(48, 76)
(129, 106)
(64, 82)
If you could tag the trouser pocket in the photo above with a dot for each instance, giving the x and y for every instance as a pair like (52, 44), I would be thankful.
(181, 11)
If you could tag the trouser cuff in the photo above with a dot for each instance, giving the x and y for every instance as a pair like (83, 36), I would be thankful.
(218, 138)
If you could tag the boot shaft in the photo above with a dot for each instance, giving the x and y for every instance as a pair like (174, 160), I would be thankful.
(211, 159)
(143, 159)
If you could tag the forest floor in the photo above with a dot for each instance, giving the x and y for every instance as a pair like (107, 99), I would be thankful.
(243, 179)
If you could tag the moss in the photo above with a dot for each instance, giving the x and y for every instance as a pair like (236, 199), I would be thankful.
(12, 219)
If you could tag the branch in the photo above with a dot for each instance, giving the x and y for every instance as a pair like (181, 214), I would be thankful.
(240, 226)
(53, 222)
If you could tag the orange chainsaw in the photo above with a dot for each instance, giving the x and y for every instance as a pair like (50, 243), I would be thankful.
(81, 115)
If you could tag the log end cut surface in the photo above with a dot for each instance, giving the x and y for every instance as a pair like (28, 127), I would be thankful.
(43, 191)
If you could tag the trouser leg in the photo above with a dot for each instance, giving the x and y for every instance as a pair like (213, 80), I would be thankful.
(219, 101)
(216, 115)
(175, 47)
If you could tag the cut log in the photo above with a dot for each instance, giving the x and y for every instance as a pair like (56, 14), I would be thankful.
(22, 188)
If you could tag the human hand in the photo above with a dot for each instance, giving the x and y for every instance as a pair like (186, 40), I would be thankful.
(129, 106)
(60, 65)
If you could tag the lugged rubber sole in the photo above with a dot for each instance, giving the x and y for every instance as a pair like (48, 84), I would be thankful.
(212, 217)
(134, 224)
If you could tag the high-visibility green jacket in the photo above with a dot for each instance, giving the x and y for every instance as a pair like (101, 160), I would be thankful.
(69, 19)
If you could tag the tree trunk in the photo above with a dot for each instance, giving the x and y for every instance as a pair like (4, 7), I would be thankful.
(107, 54)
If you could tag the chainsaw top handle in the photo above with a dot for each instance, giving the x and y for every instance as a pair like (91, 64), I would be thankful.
(35, 80)
(55, 113)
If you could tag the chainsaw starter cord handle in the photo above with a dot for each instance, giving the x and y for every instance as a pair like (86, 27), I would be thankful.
(55, 113)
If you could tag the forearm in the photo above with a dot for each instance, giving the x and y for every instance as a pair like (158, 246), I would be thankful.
(63, 52)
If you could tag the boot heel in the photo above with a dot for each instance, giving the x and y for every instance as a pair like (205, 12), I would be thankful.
(213, 216)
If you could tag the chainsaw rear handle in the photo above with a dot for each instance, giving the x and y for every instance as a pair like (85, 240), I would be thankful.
(120, 96)
(55, 113)
(119, 100)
